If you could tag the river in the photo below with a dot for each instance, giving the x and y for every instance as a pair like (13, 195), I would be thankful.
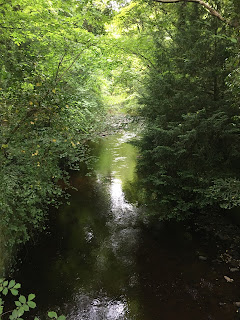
(96, 262)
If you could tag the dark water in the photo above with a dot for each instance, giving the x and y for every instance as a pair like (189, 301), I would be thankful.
(96, 263)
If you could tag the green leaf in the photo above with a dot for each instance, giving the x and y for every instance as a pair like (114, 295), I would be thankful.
(5, 283)
(22, 299)
(52, 314)
(14, 314)
(61, 318)
(17, 286)
(20, 311)
(11, 283)
(26, 307)
(18, 303)
(31, 296)
(5, 291)
(234, 40)
(14, 292)
(31, 304)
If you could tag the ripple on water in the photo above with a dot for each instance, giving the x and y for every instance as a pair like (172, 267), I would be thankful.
(100, 308)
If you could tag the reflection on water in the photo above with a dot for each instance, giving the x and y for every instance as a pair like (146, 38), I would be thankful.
(88, 261)
(96, 264)
(121, 209)
(100, 308)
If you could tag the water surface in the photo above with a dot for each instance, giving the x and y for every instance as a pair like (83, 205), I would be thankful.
(96, 263)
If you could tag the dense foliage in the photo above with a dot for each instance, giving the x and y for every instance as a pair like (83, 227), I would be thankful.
(190, 149)
(50, 105)
(21, 305)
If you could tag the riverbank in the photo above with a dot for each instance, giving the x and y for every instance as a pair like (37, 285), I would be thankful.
(219, 231)
(220, 238)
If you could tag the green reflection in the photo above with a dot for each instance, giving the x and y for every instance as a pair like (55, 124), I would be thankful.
(87, 242)
(117, 159)
(91, 252)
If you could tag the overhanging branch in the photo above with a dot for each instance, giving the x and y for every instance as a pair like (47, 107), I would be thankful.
(210, 9)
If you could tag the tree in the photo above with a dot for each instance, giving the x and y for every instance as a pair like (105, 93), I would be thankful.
(189, 148)
(50, 106)
(209, 8)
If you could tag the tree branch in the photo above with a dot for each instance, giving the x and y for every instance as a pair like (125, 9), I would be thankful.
(74, 60)
(19, 124)
(59, 64)
(210, 9)
(130, 51)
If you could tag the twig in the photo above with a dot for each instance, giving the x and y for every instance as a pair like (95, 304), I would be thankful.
(74, 60)
(149, 65)
(210, 9)
(60, 63)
